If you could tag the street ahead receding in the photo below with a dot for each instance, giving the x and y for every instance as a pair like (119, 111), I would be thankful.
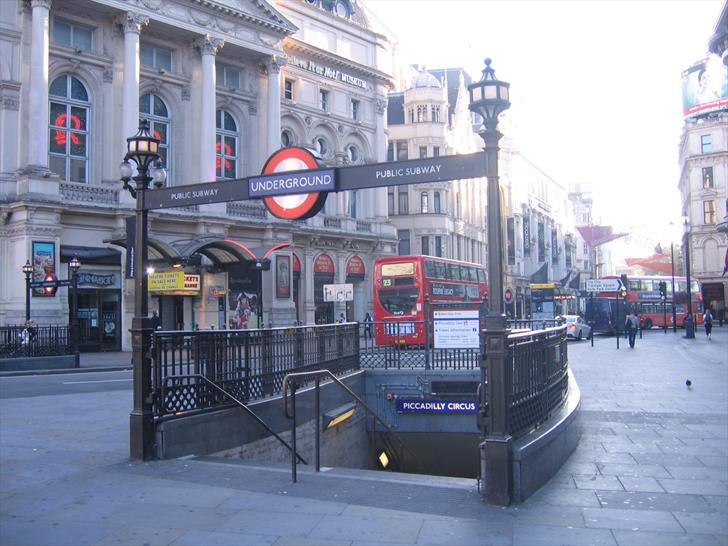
(394, 173)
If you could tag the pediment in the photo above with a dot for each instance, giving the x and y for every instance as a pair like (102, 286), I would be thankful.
(254, 11)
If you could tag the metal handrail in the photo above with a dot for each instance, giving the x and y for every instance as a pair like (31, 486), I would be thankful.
(251, 413)
(317, 374)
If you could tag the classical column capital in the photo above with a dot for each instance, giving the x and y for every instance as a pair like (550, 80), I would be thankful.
(381, 105)
(41, 4)
(275, 64)
(208, 45)
(132, 22)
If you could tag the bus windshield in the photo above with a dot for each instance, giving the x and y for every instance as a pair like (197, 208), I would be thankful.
(399, 301)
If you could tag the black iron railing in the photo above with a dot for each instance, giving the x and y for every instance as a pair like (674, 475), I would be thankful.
(538, 366)
(249, 364)
(40, 341)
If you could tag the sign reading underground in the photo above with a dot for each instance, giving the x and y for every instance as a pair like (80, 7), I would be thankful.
(288, 190)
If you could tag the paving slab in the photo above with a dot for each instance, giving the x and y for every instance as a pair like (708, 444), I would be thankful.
(65, 476)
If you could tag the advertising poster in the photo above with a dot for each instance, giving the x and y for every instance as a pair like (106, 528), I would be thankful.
(242, 298)
(44, 263)
(705, 87)
(283, 277)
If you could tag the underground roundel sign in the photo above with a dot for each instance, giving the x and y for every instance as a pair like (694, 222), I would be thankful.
(294, 184)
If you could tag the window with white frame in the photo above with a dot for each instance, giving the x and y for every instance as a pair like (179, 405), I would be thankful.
(153, 109)
(227, 76)
(707, 177)
(424, 203)
(352, 204)
(324, 100)
(69, 111)
(355, 109)
(226, 146)
(288, 89)
(706, 144)
(155, 57)
(73, 35)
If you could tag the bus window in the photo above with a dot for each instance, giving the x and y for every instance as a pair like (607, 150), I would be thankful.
(481, 275)
(400, 301)
(430, 269)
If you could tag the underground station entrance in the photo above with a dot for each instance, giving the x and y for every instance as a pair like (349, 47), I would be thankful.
(495, 403)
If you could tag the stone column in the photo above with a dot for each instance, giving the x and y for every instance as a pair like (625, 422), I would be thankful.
(208, 47)
(380, 154)
(273, 68)
(38, 93)
(131, 24)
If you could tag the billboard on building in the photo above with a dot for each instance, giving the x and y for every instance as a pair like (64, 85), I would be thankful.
(705, 87)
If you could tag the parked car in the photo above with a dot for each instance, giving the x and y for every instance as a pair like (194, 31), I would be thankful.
(577, 328)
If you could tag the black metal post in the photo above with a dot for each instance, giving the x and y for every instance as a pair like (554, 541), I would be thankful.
(689, 324)
(259, 267)
(141, 442)
(74, 311)
(27, 297)
(616, 318)
(672, 265)
(317, 404)
(498, 441)
(294, 477)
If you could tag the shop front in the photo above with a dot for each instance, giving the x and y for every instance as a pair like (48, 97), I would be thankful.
(323, 273)
(174, 294)
(99, 310)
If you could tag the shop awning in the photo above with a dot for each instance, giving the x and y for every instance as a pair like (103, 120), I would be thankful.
(91, 255)
(158, 250)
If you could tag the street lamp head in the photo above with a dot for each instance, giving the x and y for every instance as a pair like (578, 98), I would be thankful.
(142, 148)
(74, 264)
(126, 170)
(159, 174)
(489, 96)
(27, 268)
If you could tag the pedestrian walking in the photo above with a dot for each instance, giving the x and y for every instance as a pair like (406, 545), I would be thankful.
(368, 326)
(155, 322)
(708, 322)
(631, 323)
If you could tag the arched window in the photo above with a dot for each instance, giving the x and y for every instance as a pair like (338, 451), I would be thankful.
(286, 139)
(69, 109)
(436, 203)
(226, 146)
(154, 110)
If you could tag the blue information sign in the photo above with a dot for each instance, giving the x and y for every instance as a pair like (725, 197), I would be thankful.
(436, 406)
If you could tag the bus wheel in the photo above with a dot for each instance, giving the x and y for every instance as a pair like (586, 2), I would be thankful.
(648, 324)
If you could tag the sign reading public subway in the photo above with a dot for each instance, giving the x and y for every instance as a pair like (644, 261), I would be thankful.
(295, 181)
(289, 184)
(436, 406)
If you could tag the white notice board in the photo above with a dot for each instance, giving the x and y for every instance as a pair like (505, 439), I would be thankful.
(339, 292)
(457, 329)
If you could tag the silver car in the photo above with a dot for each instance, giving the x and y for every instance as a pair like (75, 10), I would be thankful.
(576, 328)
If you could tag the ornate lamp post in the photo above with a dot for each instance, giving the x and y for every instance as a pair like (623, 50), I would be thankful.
(488, 98)
(689, 324)
(74, 265)
(143, 150)
(27, 271)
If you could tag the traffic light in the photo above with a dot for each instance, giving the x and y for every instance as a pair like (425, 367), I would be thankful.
(663, 290)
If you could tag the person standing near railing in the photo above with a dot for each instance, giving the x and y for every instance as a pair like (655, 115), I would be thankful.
(27, 336)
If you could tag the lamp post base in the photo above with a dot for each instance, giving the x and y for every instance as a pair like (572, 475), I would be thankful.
(496, 469)
(141, 419)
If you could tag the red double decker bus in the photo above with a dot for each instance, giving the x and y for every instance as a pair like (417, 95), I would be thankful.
(643, 296)
(400, 286)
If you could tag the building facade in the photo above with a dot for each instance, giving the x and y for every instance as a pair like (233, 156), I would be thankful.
(212, 80)
(704, 192)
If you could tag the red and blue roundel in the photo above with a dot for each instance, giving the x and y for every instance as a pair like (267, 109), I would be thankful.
(298, 206)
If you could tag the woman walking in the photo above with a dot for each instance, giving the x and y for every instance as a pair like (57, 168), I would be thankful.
(708, 322)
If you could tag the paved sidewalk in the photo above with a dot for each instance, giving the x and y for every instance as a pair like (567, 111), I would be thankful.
(88, 362)
(651, 469)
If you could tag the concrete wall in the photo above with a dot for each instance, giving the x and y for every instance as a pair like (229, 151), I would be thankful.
(228, 429)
